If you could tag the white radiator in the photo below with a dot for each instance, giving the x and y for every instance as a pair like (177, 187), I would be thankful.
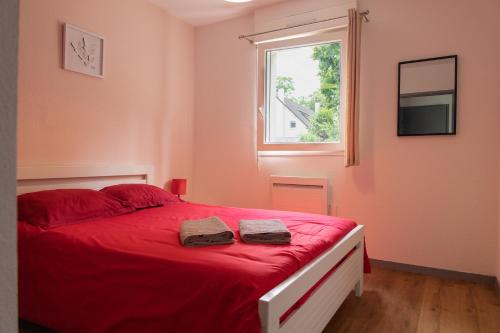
(308, 195)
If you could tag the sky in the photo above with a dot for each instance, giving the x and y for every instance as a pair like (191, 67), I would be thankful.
(304, 76)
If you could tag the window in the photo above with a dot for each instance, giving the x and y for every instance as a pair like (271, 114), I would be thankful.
(301, 93)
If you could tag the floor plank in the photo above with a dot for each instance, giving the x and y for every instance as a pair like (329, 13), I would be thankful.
(488, 304)
(408, 303)
(430, 311)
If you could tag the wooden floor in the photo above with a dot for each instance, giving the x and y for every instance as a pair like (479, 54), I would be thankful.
(406, 302)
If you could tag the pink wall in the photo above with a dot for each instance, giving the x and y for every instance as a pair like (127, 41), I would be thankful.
(428, 201)
(140, 113)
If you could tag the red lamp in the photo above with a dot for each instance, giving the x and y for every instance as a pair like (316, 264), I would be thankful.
(178, 187)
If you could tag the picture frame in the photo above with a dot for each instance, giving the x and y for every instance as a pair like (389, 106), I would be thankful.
(83, 51)
(427, 104)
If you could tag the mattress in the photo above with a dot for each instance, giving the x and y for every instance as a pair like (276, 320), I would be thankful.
(129, 273)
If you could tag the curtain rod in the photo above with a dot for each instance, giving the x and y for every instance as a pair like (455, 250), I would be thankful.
(364, 14)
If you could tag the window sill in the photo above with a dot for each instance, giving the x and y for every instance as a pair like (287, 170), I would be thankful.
(299, 153)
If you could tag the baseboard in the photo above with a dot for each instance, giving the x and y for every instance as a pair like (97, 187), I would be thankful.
(444, 273)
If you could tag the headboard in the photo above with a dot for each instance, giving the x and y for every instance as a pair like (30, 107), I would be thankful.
(38, 178)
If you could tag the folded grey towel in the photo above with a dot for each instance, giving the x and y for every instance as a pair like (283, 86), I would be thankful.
(209, 231)
(264, 232)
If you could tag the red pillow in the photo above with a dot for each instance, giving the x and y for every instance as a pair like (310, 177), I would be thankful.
(141, 195)
(59, 207)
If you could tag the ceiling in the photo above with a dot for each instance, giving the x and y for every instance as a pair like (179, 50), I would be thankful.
(202, 12)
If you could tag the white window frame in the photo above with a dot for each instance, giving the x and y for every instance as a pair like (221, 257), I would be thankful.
(334, 148)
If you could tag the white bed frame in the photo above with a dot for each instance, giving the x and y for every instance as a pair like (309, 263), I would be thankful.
(311, 317)
(37, 178)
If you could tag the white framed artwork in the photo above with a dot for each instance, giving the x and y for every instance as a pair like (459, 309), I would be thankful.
(83, 51)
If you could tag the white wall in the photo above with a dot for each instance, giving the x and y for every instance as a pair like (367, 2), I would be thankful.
(429, 201)
(8, 228)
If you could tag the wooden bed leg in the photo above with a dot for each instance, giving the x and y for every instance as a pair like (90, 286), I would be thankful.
(358, 288)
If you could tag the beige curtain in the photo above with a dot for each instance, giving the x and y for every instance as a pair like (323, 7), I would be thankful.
(352, 102)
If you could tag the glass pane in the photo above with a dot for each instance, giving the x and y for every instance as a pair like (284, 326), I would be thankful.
(303, 94)
(427, 97)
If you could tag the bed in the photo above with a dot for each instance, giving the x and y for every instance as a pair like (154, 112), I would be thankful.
(128, 273)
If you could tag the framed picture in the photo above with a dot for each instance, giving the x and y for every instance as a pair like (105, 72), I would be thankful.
(427, 96)
(83, 51)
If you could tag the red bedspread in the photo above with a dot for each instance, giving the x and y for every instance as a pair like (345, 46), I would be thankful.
(130, 274)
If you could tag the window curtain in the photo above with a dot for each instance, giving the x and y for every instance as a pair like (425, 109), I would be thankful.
(352, 102)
